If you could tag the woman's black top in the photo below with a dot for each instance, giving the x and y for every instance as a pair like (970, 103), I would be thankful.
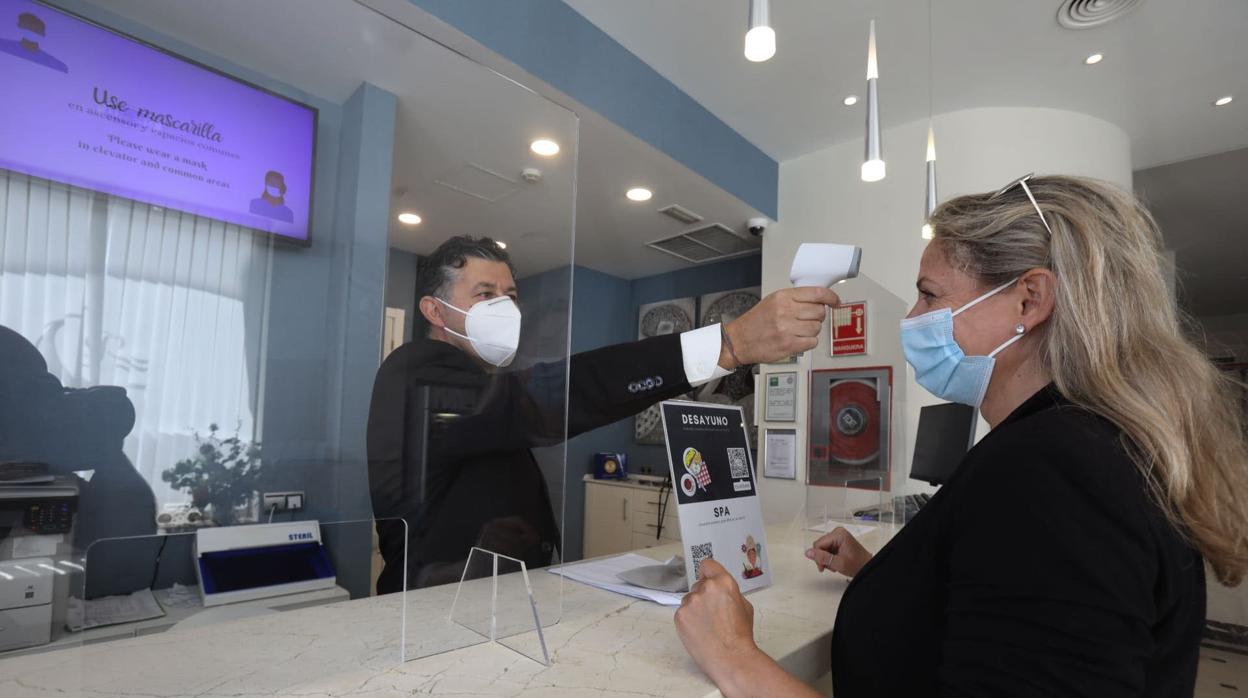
(1042, 568)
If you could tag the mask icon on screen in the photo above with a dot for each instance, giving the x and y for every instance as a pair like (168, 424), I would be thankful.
(272, 200)
(30, 43)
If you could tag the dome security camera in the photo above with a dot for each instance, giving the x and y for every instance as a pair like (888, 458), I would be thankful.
(757, 226)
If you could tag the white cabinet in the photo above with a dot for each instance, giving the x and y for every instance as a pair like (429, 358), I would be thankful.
(622, 516)
(607, 528)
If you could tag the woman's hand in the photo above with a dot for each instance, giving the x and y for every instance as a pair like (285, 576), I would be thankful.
(840, 552)
(716, 623)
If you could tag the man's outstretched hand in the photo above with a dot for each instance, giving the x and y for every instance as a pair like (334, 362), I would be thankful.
(785, 323)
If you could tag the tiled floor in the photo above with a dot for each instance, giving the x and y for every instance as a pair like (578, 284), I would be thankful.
(1222, 674)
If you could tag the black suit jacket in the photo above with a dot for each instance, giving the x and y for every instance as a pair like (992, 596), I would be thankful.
(1042, 568)
(449, 447)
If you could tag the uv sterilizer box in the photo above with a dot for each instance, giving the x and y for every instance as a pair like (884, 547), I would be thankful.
(258, 561)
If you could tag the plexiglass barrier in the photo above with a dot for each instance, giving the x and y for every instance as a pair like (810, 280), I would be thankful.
(495, 600)
(166, 369)
(466, 441)
(237, 596)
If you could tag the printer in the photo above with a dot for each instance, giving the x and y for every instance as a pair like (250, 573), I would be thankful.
(258, 561)
(26, 602)
(41, 505)
(37, 518)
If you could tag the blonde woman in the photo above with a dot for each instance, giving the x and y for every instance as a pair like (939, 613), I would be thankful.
(1067, 554)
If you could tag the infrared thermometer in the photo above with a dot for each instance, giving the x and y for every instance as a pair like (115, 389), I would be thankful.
(824, 264)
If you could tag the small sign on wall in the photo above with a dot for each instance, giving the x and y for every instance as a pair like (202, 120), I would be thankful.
(849, 329)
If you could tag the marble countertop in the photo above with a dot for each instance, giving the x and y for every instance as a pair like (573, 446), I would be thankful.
(604, 645)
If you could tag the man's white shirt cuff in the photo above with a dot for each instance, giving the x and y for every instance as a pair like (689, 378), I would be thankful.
(700, 349)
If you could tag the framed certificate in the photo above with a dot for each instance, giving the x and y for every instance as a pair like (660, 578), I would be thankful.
(780, 453)
(781, 397)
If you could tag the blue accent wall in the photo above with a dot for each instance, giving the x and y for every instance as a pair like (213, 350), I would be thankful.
(695, 281)
(604, 312)
(556, 44)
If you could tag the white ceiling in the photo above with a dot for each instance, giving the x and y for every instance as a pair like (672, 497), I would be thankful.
(1203, 213)
(1164, 64)
(453, 112)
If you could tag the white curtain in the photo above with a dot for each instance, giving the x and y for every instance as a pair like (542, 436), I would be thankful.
(168, 305)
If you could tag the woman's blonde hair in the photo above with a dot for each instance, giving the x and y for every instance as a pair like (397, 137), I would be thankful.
(1115, 346)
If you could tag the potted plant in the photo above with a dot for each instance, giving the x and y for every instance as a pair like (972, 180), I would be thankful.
(223, 474)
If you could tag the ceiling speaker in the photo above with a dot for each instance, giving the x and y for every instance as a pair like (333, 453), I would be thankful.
(1085, 14)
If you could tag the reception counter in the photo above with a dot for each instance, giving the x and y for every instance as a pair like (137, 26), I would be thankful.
(604, 645)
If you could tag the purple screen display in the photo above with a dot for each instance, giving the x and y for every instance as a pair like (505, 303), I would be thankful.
(94, 109)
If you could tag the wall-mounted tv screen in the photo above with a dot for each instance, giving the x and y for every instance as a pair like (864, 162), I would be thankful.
(93, 108)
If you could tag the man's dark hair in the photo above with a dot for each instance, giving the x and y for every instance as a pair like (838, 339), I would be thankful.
(32, 22)
(437, 271)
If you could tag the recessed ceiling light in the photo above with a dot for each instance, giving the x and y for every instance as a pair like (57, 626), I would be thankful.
(544, 147)
(1223, 101)
(501, 244)
(1094, 59)
(850, 100)
(639, 194)
(409, 218)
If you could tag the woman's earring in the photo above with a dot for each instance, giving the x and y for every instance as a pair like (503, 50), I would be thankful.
(1019, 329)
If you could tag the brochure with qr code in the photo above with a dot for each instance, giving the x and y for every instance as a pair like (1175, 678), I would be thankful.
(713, 476)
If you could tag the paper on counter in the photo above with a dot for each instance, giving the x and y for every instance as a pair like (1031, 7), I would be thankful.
(604, 574)
(36, 546)
(111, 610)
(855, 530)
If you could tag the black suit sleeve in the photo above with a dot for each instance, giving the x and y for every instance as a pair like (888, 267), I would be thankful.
(618, 381)
(526, 409)
(1051, 579)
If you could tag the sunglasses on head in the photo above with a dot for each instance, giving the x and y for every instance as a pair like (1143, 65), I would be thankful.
(1022, 182)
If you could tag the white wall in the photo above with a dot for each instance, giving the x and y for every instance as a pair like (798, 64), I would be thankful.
(822, 199)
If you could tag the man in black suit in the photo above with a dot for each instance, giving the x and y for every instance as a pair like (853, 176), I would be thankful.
(450, 433)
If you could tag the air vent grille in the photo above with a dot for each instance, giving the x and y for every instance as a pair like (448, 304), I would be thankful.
(1085, 14)
(706, 244)
(680, 213)
(721, 240)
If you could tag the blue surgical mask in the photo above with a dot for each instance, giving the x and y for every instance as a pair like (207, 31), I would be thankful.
(275, 192)
(32, 37)
(939, 363)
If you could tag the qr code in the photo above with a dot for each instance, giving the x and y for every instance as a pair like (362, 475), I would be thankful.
(700, 552)
(737, 463)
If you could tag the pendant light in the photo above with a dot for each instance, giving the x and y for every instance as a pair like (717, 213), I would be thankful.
(930, 203)
(931, 182)
(760, 39)
(873, 159)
